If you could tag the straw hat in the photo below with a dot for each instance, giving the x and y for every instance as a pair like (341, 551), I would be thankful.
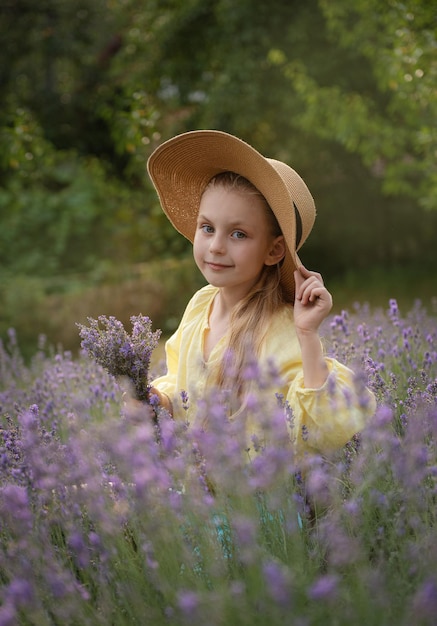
(182, 167)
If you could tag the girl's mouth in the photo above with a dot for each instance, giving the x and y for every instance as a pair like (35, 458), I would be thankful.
(217, 266)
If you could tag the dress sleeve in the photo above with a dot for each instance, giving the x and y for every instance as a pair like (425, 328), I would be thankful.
(167, 383)
(325, 419)
(180, 345)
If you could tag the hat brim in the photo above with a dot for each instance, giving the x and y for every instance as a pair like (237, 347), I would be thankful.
(182, 167)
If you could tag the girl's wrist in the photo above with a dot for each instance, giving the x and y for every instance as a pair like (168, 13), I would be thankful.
(307, 335)
(315, 369)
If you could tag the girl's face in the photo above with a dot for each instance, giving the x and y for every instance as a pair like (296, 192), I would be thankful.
(233, 240)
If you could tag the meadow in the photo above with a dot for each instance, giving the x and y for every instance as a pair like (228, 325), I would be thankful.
(117, 515)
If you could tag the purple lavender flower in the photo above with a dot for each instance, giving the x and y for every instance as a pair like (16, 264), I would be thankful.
(324, 588)
(277, 582)
(8, 615)
(79, 549)
(96, 511)
(393, 312)
(185, 400)
(15, 507)
(20, 592)
(425, 602)
(340, 323)
(121, 354)
(188, 602)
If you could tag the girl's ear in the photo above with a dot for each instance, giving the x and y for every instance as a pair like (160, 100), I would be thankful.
(277, 251)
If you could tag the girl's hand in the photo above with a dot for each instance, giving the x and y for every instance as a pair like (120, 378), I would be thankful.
(139, 408)
(163, 399)
(312, 303)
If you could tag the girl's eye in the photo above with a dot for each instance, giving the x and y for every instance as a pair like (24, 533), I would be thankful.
(207, 228)
(238, 234)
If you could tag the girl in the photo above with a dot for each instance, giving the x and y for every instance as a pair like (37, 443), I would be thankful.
(247, 216)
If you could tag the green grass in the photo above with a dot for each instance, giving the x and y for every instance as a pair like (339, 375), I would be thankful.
(378, 285)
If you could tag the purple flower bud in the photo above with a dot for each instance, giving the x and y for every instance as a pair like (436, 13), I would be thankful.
(8, 615)
(425, 602)
(188, 602)
(324, 588)
(20, 592)
(277, 582)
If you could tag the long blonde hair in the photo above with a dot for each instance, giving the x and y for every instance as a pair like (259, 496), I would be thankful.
(251, 316)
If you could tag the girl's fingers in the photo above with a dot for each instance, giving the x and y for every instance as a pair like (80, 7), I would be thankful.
(305, 289)
(303, 271)
(298, 280)
(304, 280)
(313, 300)
(311, 293)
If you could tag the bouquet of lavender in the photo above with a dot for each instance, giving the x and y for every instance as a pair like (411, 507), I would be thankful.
(121, 354)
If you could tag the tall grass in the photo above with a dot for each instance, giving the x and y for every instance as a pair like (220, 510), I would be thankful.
(108, 517)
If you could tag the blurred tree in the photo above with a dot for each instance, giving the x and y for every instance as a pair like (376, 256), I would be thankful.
(74, 133)
(392, 127)
(360, 74)
(343, 91)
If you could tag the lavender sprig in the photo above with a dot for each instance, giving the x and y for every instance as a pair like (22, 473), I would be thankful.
(121, 354)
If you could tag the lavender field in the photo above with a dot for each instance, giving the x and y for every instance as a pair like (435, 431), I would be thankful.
(111, 517)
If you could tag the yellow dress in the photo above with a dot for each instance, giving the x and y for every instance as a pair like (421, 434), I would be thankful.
(324, 419)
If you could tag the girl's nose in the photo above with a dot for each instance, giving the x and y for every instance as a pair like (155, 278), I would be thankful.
(217, 244)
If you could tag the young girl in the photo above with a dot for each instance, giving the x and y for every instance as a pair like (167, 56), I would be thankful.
(246, 216)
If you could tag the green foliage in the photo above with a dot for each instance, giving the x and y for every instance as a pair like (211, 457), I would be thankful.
(53, 220)
(391, 126)
(342, 91)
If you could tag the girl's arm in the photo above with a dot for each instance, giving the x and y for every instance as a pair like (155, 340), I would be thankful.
(312, 305)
